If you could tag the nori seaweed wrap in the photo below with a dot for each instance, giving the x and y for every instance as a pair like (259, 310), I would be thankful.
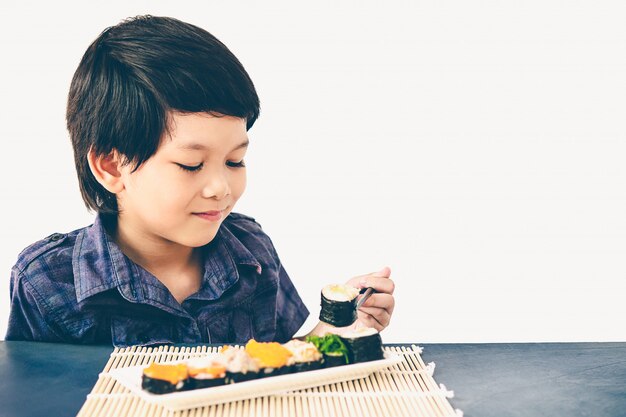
(363, 345)
(164, 378)
(339, 305)
(334, 359)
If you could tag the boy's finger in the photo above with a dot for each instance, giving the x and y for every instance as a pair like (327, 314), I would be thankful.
(384, 301)
(370, 321)
(384, 285)
(381, 316)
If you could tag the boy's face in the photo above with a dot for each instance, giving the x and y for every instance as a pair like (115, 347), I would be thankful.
(194, 171)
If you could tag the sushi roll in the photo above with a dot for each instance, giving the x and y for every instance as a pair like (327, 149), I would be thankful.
(334, 351)
(334, 359)
(305, 356)
(162, 378)
(363, 345)
(271, 357)
(206, 371)
(339, 305)
(240, 366)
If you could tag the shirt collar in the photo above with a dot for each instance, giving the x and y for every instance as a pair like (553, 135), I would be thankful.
(99, 265)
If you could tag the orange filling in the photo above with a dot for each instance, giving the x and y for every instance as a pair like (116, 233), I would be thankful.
(270, 354)
(214, 371)
(170, 373)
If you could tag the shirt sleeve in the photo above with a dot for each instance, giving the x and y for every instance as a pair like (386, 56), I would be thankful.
(27, 315)
(290, 309)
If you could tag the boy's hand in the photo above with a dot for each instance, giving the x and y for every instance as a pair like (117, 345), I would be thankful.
(376, 311)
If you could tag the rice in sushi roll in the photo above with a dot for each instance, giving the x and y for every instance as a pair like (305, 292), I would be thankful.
(206, 371)
(240, 366)
(272, 357)
(305, 356)
(339, 305)
(164, 378)
(363, 345)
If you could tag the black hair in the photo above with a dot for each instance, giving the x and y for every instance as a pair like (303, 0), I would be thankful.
(128, 80)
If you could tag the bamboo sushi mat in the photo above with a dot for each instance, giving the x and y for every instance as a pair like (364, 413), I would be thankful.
(406, 389)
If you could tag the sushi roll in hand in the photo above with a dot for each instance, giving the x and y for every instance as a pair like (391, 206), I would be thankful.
(339, 305)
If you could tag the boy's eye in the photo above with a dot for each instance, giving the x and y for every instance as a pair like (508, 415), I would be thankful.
(191, 168)
(239, 164)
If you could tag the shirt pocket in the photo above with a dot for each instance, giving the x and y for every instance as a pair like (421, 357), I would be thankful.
(128, 331)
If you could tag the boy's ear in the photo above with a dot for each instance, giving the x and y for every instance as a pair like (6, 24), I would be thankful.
(107, 169)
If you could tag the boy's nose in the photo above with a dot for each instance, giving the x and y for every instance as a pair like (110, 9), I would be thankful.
(216, 186)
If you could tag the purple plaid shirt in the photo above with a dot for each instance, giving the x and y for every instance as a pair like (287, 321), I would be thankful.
(80, 288)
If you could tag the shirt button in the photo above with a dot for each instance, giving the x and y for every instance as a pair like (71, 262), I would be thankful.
(56, 236)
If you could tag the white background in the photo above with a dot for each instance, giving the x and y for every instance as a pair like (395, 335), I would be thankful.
(476, 148)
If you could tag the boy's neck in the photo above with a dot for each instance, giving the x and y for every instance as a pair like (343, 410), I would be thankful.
(178, 267)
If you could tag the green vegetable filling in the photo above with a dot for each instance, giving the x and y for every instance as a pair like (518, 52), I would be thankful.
(330, 344)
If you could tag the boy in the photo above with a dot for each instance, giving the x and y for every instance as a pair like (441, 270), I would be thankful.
(158, 113)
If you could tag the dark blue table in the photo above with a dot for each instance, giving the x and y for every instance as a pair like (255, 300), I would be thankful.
(547, 379)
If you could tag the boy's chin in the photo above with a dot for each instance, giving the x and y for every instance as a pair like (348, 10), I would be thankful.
(198, 241)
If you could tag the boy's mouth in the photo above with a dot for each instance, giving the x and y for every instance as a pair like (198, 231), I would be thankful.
(211, 215)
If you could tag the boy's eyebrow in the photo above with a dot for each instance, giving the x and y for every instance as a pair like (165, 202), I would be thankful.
(201, 147)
